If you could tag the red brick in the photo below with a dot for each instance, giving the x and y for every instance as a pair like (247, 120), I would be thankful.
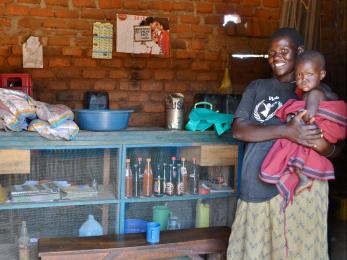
(190, 19)
(148, 119)
(9, 40)
(58, 41)
(79, 25)
(183, 6)
(251, 2)
(55, 23)
(131, 4)
(118, 74)
(161, 5)
(105, 84)
(158, 96)
(30, 22)
(163, 74)
(200, 65)
(4, 51)
(158, 64)
(57, 2)
(17, 10)
(151, 86)
(202, 28)
(29, 1)
(43, 12)
(207, 76)
(17, 50)
(15, 61)
(108, 4)
(92, 13)
(83, 3)
(197, 45)
(178, 44)
(267, 13)
(224, 8)
(84, 62)
(118, 95)
(175, 86)
(64, 13)
(154, 107)
(72, 51)
(211, 56)
(186, 75)
(59, 62)
(69, 96)
(181, 54)
(129, 85)
(180, 28)
(57, 85)
(138, 97)
(68, 73)
(113, 63)
(5, 22)
(94, 73)
(204, 8)
(42, 73)
(81, 84)
(215, 20)
(135, 64)
(271, 3)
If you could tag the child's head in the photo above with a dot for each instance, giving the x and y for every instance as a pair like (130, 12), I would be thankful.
(309, 70)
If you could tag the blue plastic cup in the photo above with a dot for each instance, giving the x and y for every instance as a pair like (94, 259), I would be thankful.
(153, 232)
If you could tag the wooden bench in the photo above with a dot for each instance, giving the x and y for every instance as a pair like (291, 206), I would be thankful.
(174, 243)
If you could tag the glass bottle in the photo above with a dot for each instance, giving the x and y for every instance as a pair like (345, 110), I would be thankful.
(128, 180)
(140, 174)
(173, 162)
(148, 179)
(24, 243)
(179, 183)
(194, 178)
(170, 187)
(158, 182)
(164, 178)
(184, 173)
(136, 183)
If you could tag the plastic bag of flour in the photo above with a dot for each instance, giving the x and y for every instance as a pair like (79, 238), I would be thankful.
(54, 114)
(65, 131)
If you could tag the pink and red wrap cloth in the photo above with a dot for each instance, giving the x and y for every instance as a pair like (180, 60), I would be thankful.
(285, 158)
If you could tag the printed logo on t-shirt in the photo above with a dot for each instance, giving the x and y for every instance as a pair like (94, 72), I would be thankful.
(266, 109)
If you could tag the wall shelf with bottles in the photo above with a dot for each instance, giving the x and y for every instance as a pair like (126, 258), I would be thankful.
(102, 156)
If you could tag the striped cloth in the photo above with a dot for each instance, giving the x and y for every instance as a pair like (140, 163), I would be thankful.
(258, 229)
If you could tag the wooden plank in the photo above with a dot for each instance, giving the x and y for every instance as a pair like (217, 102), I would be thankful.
(106, 182)
(14, 161)
(211, 155)
(173, 243)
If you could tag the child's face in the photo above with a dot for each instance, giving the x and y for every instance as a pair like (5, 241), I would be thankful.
(308, 75)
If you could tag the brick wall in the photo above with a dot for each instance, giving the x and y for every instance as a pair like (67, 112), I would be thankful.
(199, 47)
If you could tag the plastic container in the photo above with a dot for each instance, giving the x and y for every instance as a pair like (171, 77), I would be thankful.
(90, 228)
(96, 100)
(134, 226)
(17, 81)
(102, 120)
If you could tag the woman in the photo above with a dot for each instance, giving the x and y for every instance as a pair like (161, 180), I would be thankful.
(260, 230)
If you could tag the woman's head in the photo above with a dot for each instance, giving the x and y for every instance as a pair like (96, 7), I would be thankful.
(309, 70)
(285, 45)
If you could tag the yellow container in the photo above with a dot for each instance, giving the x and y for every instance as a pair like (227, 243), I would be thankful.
(202, 218)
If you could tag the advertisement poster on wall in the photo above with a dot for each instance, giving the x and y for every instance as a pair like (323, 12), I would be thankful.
(143, 34)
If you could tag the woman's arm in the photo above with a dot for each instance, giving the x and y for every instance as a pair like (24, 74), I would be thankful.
(295, 130)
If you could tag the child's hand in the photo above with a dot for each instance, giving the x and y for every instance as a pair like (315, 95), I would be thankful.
(312, 120)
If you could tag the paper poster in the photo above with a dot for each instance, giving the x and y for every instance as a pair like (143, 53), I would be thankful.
(102, 40)
(143, 34)
(32, 53)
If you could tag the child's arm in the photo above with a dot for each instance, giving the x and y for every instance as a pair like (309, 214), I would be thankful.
(312, 99)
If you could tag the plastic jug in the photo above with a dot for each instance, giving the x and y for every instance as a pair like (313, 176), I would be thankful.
(202, 218)
(161, 215)
(90, 228)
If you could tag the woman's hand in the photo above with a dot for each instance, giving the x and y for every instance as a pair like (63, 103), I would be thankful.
(308, 135)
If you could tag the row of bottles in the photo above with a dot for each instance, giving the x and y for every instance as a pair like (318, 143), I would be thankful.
(166, 179)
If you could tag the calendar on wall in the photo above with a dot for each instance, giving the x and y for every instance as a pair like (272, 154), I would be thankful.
(102, 40)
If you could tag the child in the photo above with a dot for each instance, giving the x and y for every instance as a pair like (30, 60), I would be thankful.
(291, 166)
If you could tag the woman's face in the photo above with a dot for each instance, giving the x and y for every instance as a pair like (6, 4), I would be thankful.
(282, 55)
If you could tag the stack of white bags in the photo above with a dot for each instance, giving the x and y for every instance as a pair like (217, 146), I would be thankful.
(18, 112)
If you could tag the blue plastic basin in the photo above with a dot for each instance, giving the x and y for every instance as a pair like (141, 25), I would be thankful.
(102, 120)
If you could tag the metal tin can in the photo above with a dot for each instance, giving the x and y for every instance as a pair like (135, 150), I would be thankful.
(174, 111)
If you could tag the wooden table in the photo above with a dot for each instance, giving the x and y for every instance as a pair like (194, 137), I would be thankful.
(174, 243)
